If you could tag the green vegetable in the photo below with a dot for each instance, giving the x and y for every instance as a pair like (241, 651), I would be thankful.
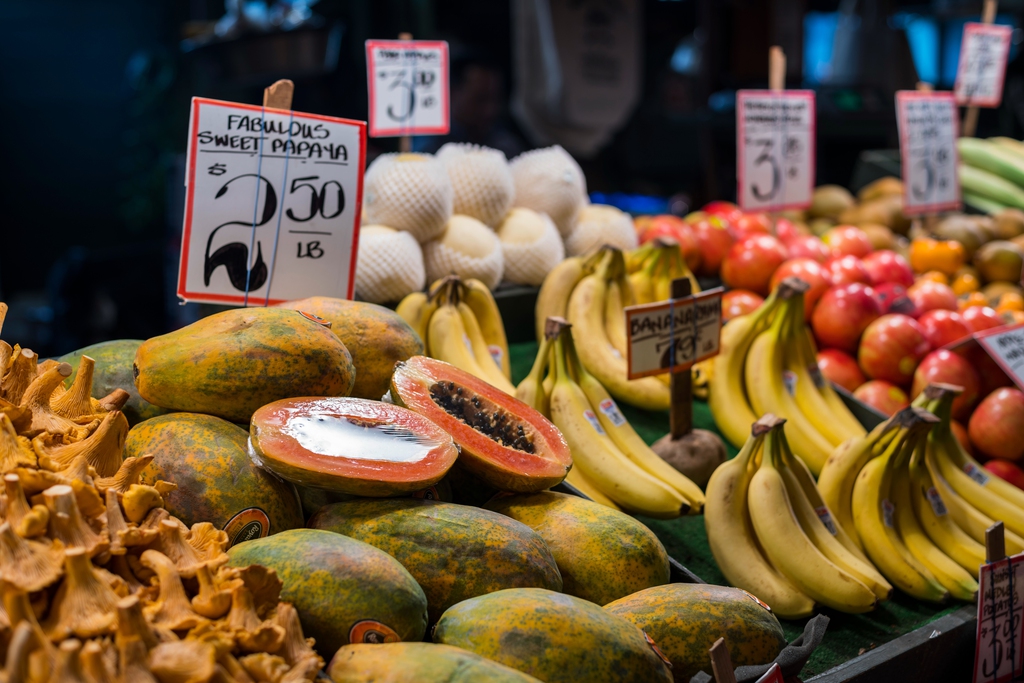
(990, 186)
(991, 157)
(989, 206)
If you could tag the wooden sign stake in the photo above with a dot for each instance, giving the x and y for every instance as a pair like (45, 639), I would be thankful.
(721, 663)
(995, 543)
(405, 141)
(776, 83)
(279, 95)
(970, 125)
(681, 383)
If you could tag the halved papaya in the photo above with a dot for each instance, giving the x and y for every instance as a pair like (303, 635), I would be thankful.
(350, 445)
(504, 442)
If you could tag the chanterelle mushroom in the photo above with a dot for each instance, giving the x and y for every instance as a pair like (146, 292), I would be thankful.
(85, 605)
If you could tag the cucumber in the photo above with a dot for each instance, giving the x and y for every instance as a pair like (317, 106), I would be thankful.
(992, 158)
(989, 206)
(990, 186)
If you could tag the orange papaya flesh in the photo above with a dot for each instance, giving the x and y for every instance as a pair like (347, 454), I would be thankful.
(686, 619)
(350, 445)
(344, 590)
(208, 459)
(454, 552)
(376, 336)
(554, 637)
(504, 442)
(417, 663)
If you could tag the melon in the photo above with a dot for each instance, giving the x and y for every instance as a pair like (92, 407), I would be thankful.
(598, 225)
(350, 445)
(417, 663)
(389, 265)
(481, 181)
(531, 246)
(550, 181)
(410, 192)
(469, 249)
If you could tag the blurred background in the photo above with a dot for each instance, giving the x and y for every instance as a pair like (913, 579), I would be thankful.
(96, 95)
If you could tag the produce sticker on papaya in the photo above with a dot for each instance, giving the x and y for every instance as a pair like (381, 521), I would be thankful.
(408, 87)
(670, 336)
(773, 675)
(775, 147)
(928, 128)
(999, 647)
(272, 205)
(984, 51)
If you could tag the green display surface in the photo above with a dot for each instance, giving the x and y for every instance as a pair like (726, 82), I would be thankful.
(686, 540)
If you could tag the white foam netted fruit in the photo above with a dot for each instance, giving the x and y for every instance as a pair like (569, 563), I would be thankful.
(467, 248)
(389, 265)
(598, 225)
(481, 181)
(531, 244)
(409, 192)
(550, 181)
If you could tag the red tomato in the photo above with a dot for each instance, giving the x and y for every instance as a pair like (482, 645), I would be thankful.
(737, 302)
(847, 269)
(751, 262)
(891, 348)
(978, 318)
(811, 272)
(848, 240)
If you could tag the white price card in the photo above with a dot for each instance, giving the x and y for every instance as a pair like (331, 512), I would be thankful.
(408, 84)
(773, 675)
(272, 205)
(984, 51)
(670, 336)
(1006, 347)
(775, 146)
(999, 647)
(928, 128)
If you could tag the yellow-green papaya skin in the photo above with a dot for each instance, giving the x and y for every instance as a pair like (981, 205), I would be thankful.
(455, 552)
(685, 620)
(554, 637)
(376, 336)
(208, 459)
(577, 531)
(233, 362)
(417, 663)
(113, 370)
(344, 590)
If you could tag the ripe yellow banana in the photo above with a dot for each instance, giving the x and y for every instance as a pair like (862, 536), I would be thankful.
(965, 463)
(642, 281)
(585, 486)
(483, 356)
(848, 423)
(597, 457)
(448, 341)
(615, 318)
(635, 260)
(485, 308)
(973, 488)
(530, 391)
(553, 298)
(416, 309)
(731, 535)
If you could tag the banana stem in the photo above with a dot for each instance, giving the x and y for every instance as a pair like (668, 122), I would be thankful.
(572, 360)
(771, 447)
(540, 363)
(561, 371)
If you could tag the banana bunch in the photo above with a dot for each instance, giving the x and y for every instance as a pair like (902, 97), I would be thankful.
(767, 363)
(653, 266)
(772, 535)
(612, 463)
(459, 323)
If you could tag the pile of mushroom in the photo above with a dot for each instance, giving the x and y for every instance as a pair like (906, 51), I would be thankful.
(98, 582)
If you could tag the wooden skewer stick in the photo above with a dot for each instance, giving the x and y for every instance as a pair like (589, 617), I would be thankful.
(721, 663)
(405, 142)
(970, 125)
(279, 95)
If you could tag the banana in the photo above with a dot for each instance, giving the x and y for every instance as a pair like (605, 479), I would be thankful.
(731, 535)
(873, 517)
(932, 512)
(448, 341)
(635, 260)
(615, 318)
(586, 314)
(598, 458)
(416, 309)
(840, 412)
(487, 363)
(965, 463)
(972, 488)
(642, 281)
(530, 391)
(954, 578)
(553, 298)
(787, 546)
(485, 308)
(586, 487)
(625, 437)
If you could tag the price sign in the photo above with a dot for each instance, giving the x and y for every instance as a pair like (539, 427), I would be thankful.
(773, 675)
(272, 205)
(775, 137)
(408, 83)
(670, 336)
(928, 131)
(984, 51)
(1006, 347)
(998, 654)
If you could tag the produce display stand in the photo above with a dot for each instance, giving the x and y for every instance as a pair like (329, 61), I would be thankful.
(903, 639)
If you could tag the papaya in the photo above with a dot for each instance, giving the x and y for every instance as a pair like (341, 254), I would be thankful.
(376, 336)
(417, 663)
(114, 361)
(232, 362)
(685, 620)
(578, 531)
(554, 637)
(350, 445)
(345, 591)
(208, 459)
(503, 442)
(455, 552)
(314, 499)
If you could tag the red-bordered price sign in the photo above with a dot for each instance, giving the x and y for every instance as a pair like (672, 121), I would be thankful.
(928, 129)
(984, 51)
(775, 147)
(999, 648)
(670, 336)
(272, 204)
(773, 675)
(408, 84)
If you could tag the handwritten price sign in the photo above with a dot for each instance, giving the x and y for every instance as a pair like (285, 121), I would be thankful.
(272, 204)
(928, 131)
(775, 134)
(1006, 347)
(670, 336)
(408, 83)
(999, 655)
(984, 51)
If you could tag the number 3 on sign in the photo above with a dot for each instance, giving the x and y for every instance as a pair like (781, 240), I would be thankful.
(928, 132)
(408, 87)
